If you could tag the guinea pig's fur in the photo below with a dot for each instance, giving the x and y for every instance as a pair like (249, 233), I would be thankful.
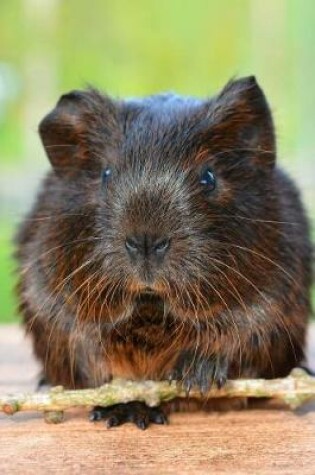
(165, 242)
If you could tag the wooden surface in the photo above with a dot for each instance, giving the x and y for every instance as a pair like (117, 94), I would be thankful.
(256, 441)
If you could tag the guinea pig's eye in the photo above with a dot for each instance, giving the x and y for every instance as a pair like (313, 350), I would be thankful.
(105, 175)
(207, 179)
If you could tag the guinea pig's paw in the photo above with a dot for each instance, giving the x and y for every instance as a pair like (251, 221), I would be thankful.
(200, 371)
(137, 412)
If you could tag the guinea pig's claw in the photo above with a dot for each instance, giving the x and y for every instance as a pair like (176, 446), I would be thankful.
(201, 372)
(221, 381)
(137, 412)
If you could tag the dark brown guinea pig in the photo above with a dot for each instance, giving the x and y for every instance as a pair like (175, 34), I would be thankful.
(165, 243)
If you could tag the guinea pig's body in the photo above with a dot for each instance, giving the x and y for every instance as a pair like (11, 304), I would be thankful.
(165, 243)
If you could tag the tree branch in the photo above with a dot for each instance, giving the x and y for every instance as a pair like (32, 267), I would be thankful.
(294, 390)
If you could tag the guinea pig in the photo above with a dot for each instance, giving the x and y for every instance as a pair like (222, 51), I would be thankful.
(165, 243)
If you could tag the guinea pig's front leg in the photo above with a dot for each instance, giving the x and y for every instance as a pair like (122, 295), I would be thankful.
(194, 369)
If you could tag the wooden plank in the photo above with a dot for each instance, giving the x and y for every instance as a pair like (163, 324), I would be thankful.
(256, 441)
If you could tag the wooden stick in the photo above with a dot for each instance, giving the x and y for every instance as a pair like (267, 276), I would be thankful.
(294, 390)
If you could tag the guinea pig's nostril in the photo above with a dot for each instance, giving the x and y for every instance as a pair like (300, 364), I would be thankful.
(131, 244)
(145, 244)
(161, 246)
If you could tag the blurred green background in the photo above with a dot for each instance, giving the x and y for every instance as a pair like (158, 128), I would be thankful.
(138, 47)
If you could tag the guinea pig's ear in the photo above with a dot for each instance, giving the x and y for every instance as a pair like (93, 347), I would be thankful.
(62, 131)
(81, 120)
(241, 119)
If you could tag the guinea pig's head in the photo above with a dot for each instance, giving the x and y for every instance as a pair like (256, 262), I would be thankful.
(166, 191)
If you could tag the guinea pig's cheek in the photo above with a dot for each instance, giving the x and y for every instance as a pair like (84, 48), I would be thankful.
(223, 194)
(228, 194)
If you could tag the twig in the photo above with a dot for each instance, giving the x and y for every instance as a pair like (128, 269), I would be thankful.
(294, 390)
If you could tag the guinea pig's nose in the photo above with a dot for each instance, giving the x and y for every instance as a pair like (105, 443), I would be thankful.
(143, 245)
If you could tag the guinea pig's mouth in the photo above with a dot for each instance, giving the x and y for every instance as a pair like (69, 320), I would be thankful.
(188, 310)
(149, 299)
(147, 294)
(148, 291)
(160, 298)
(138, 289)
